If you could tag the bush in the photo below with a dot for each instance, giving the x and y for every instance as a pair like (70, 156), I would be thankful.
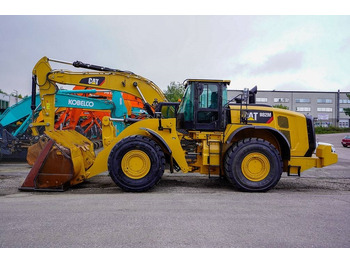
(330, 129)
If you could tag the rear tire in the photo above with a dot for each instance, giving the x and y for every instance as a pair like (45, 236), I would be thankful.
(253, 165)
(136, 163)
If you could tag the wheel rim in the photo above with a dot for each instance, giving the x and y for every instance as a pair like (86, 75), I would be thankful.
(255, 167)
(136, 164)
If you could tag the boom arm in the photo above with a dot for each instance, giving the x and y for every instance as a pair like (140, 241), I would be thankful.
(109, 79)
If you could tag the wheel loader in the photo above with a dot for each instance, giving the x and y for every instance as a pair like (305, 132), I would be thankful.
(249, 144)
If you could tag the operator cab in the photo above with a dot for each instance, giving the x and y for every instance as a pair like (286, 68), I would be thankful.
(202, 105)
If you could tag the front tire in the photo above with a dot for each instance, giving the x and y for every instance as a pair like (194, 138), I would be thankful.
(253, 165)
(136, 163)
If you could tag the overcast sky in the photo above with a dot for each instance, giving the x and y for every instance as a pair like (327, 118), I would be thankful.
(272, 52)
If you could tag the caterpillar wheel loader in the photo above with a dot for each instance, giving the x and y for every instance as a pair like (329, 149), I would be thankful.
(249, 144)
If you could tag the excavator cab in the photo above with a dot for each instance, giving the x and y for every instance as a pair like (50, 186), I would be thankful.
(202, 105)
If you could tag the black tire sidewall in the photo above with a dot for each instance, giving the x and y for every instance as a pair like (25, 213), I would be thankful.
(233, 165)
(155, 155)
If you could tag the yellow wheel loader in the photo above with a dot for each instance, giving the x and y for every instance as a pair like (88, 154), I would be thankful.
(250, 144)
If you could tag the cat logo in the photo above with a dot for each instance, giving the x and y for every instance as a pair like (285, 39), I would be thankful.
(96, 81)
(252, 116)
(93, 81)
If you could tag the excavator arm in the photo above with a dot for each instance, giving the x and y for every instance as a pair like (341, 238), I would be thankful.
(105, 78)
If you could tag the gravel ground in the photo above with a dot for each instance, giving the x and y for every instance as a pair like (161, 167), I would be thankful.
(181, 211)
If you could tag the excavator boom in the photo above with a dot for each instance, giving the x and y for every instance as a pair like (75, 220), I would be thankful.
(123, 81)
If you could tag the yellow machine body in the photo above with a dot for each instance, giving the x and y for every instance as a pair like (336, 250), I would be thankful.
(292, 126)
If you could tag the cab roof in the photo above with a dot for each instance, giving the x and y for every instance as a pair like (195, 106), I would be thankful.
(207, 80)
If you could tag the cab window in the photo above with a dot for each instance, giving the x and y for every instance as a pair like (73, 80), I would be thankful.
(186, 106)
(208, 96)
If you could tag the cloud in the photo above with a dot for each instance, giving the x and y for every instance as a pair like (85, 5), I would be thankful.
(280, 63)
(271, 51)
(284, 62)
(293, 86)
(294, 52)
(345, 45)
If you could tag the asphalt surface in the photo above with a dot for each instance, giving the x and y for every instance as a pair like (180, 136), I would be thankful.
(181, 211)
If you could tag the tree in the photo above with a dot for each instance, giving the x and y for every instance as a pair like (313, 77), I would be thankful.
(347, 110)
(175, 91)
(281, 106)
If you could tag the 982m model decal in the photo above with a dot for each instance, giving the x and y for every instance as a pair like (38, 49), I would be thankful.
(259, 116)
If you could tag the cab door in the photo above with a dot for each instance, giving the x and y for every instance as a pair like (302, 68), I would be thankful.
(208, 107)
(202, 106)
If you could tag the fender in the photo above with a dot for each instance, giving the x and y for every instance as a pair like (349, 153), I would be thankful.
(159, 138)
(281, 138)
(163, 144)
(147, 127)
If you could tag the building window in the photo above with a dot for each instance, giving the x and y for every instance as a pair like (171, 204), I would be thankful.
(261, 100)
(344, 101)
(343, 123)
(281, 100)
(324, 109)
(302, 100)
(303, 109)
(4, 104)
(324, 101)
(341, 110)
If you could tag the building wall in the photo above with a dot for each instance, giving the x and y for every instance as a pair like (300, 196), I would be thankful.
(325, 107)
(7, 101)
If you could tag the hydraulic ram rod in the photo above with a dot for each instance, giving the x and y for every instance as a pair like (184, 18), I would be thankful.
(80, 64)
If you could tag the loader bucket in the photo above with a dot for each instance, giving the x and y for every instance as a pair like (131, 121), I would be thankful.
(62, 162)
(35, 150)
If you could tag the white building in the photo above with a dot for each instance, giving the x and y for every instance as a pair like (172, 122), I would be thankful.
(7, 101)
(327, 108)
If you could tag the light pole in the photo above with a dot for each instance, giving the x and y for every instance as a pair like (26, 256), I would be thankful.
(16, 92)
